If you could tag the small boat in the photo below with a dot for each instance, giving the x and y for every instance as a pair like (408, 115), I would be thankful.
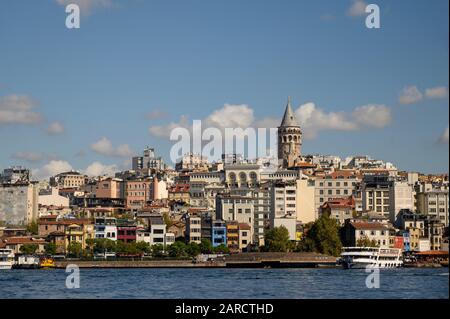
(362, 257)
(47, 262)
(6, 258)
(26, 262)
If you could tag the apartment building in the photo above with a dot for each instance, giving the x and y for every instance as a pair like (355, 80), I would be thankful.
(284, 206)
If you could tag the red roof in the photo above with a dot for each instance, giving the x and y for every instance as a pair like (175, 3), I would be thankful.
(342, 174)
(180, 188)
(340, 202)
(244, 226)
(66, 222)
(369, 226)
(23, 240)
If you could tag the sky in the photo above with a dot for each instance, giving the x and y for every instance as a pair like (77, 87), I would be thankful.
(90, 98)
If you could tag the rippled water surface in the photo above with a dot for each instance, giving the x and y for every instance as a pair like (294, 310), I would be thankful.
(225, 283)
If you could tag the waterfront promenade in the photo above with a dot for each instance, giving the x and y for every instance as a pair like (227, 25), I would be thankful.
(244, 260)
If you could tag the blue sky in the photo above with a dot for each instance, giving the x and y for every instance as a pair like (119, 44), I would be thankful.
(98, 94)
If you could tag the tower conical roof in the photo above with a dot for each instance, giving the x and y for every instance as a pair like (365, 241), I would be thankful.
(289, 118)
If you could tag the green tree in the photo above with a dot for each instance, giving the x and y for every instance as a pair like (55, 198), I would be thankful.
(193, 249)
(177, 249)
(50, 249)
(323, 236)
(75, 249)
(33, 228)
(167, 220)
(277, 239)
(221, 249)
(28, 249)
(143, 247)
(157, 250)
(206, 246)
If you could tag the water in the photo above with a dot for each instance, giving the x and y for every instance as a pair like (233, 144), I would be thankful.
(225, 283)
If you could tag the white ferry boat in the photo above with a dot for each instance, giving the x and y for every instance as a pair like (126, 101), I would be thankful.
(361, 257)
(6, 258)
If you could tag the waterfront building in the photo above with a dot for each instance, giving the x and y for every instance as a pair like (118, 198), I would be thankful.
(235, 208)
(155, 233)
(193, 229)
(126, 230)
(219, 233)
(106, 227)
(245, 237)
(355, 230)
(15, 243)
(233, 236)
(62, 232)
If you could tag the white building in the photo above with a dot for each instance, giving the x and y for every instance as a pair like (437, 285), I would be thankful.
(284, 206)
(401, 196)
(106, 227)
(51, 197)
(156, 233)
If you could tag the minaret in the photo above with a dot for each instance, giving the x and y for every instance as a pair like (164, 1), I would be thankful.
(289, 138)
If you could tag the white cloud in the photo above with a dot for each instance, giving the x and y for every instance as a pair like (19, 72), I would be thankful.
(18, 109)
(357, 9)
(311, 119)
(52, 168)
(373, 115)
(156, 115)
(231, 116)
(99, 169)
(436, 93)
(410, 95)
(86, 6)
(163, 131)
(444, 137)
(55, 128)
(28, 156)
(105, 147)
